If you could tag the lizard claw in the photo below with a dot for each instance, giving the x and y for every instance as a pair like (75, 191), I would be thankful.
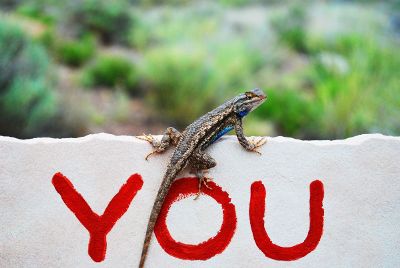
(146, 137)
(257, 144)
(151, 153)
(203, 181)
(150, 139)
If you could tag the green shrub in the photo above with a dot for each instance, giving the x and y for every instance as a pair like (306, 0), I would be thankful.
(162, 2)
(26, 101)
(290, 110)
(181, 84)
(9, 4)
(111, 71)
(349, 86)
(290, 27)
(109, 20)
(46, 11)
(76, 52)
(195, 24)
(233, 3)
(237, 2)
(141, 36)
(48, 39)
(366, 96)
(237, 64)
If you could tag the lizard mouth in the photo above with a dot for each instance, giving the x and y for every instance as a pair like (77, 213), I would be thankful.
(262, 97)
(260, 100)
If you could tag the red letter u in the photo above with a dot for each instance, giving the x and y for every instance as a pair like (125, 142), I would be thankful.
(264, 243)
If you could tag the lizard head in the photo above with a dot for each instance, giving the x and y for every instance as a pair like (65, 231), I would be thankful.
(248, 101)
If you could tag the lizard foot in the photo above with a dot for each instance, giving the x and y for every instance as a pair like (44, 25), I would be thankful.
(150, 139)
(255, 144)
(146, 137)
(203, 180)
(151, 153)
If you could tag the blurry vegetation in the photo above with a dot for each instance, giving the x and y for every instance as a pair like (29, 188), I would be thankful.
(9, 4)
(110, 71)
(45, 11)
(179, 79)
(109, 20)
(27, 102)
(189, 82)
(290, 27)
(290, 110)
(330, 68)
(362, 92)
(351, 87)
(76, 52)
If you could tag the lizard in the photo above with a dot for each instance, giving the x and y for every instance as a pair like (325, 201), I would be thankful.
(191, 144)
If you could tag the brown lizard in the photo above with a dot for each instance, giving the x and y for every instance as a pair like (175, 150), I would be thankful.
(191, 145)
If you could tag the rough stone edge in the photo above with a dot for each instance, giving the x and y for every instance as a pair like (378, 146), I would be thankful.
(230, 138)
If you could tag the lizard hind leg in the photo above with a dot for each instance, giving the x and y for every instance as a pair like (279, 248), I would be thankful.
(200, 162)
(203, 180)
(170, 137)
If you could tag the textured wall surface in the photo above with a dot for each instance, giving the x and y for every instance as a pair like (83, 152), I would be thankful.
(357, 180)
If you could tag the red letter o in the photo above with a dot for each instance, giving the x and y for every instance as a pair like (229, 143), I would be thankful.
(207, 249)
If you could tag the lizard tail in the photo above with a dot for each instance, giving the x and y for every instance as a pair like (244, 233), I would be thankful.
(162, 193)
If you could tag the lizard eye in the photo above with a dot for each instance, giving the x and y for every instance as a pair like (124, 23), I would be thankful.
(249, 95)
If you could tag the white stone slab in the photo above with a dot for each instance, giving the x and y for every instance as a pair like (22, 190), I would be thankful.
(360, 175)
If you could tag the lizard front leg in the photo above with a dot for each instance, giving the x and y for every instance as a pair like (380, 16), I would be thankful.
(248, 145)
(200, 162)
(171, 136)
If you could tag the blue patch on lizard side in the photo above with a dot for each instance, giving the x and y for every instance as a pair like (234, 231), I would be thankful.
(243, 113)
(221, 133)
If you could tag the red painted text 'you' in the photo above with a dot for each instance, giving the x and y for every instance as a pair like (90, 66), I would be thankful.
(99, 226)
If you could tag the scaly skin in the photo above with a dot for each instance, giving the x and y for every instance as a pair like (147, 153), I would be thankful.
(191, 145)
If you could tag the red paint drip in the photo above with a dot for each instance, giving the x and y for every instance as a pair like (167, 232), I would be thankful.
(264, 243)
(98, 226)
(207, 249)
